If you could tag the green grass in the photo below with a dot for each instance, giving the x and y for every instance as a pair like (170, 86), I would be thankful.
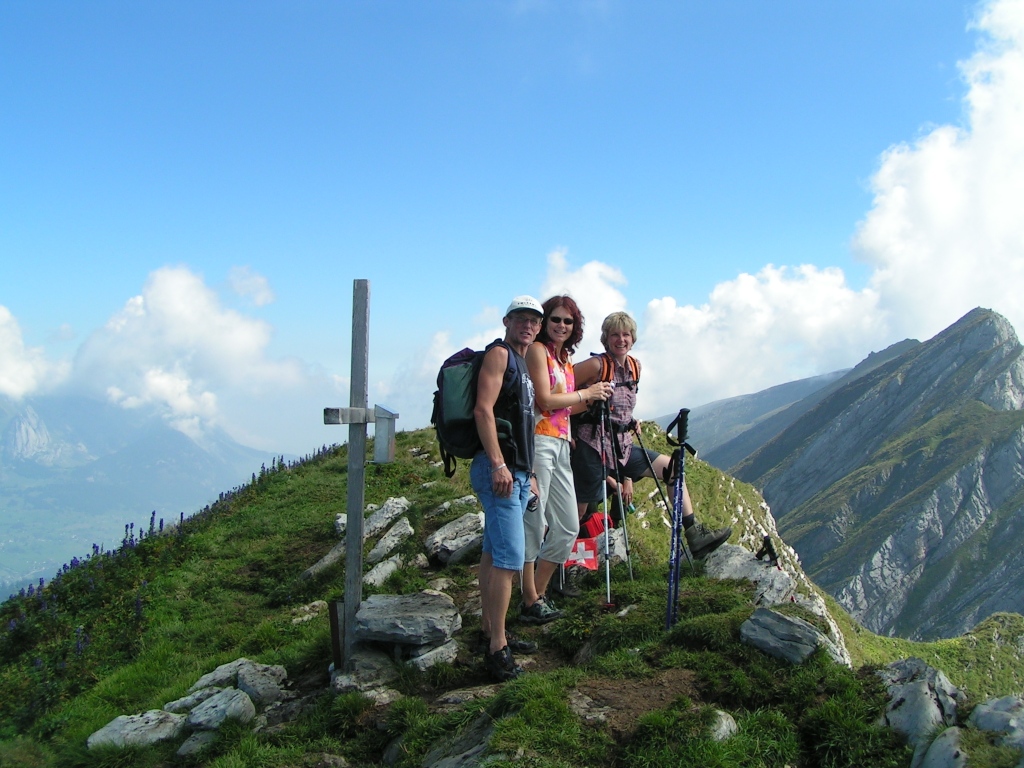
(128, 630)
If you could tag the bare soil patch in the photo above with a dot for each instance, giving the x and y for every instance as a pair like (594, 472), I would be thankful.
(629, 699)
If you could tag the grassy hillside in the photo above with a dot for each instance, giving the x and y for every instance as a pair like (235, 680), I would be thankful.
(127, 630)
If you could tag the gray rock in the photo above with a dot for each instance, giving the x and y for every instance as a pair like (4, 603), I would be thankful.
(616, 545)
(426, 618)
(391, 510)
(468, 500)
(377, 575)
(784, 637)
(450, 538)
(468, 552)
(442, 654)
(777, 584)
(1003, 716)
(454, 699)
(921, 699)
(308, 612)
(325, 760)
(138, 730)
(263, 683)
(196, 743)
(382, 697)
(370, 669)
(465, 748)
(772, 585)
(472, 606)
(723, 726)
(943, 752)
(230, 703)
(187, 703)
(586, 709)
(224, 676)
(391, 540)
(381, 518)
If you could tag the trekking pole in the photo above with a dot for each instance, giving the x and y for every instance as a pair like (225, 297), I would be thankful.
(664, 499)
(677, 545)
(607, 536)
(616, 461)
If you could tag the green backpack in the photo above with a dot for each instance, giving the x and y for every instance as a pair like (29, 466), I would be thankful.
(455, 399)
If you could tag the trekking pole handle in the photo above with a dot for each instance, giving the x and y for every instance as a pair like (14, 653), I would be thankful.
(680, 424)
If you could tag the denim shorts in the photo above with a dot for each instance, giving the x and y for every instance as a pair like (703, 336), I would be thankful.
(504, 536)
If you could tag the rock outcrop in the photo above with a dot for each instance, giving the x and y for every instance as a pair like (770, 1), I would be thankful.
(241, 690)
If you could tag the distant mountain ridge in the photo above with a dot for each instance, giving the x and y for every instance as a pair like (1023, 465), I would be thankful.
(769, 415)
(901, 488)
(723, 422)
(74, 471)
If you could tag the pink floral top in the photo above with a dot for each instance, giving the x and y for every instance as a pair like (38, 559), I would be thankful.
(556, 423)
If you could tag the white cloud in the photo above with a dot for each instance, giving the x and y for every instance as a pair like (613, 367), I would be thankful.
(595, 288)
(23, 370)
(756, 331)
(177, 348)
(945, 233)
(247, 283)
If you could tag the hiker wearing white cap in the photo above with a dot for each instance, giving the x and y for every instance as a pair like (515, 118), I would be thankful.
(500, 475)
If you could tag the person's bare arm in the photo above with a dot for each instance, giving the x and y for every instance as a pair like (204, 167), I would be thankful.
(537, 363)
(488, 387)
(587, 374)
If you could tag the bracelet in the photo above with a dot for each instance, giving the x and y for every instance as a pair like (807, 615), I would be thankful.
(580, 394)
(500, 466)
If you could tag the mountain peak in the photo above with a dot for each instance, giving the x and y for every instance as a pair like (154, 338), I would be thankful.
(888, 486)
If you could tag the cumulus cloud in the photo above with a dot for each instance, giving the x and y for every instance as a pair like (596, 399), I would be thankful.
(23, 370)
(596, 288)
(177, 348)
(944, 233)
(756, 331)
(250, 285)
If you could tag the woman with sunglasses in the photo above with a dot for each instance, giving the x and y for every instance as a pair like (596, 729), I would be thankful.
(549, 361)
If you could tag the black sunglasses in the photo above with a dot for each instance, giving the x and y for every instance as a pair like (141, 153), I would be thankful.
(562, 320)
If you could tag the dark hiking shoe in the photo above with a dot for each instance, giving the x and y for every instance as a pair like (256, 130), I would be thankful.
(518, 645)
(702, 541)
(540, 612)
(567, 582)
(501, 665)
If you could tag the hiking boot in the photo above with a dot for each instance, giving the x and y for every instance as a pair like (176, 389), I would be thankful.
(501, 665)
(702, 541)
(540, 612)
(518, 645)
(566, 582)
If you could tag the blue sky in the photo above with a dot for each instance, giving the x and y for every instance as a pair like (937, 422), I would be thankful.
(774, 190)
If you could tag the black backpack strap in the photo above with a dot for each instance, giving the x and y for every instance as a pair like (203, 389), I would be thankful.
(511, 371)
(450, 464)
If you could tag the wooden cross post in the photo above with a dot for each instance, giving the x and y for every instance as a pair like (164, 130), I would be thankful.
(357, 416)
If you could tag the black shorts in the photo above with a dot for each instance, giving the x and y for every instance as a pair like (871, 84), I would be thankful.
(588, 474)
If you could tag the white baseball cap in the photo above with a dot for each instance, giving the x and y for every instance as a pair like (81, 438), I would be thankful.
(524, 304)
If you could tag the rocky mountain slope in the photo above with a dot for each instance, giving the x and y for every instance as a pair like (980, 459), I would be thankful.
(753, 420)
(902, 490)
(717, 423)
(75, 471)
